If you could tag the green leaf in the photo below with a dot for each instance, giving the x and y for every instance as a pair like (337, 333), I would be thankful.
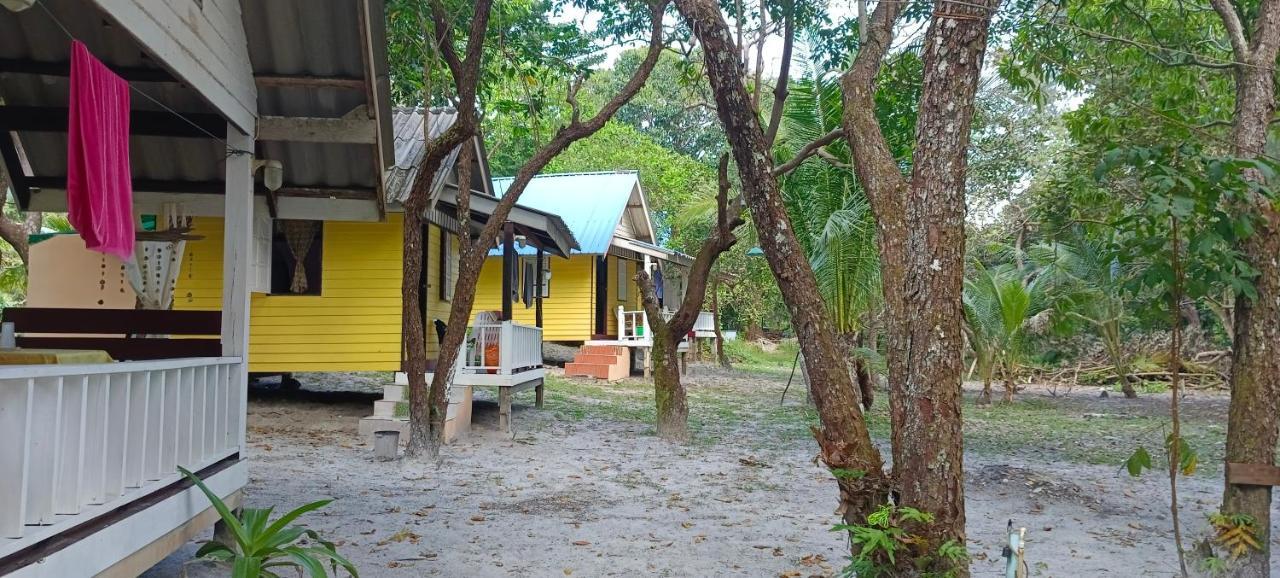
(308, 562)
(247, 567)
(215, 551)
(288, 518)
(1138, 461)
(224, 512)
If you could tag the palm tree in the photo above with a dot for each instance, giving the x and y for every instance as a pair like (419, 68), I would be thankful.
(998, 306)
(1088, 285)
(832, 217)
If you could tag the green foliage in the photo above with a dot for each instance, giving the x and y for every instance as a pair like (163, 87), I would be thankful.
(1199, 191)
(891, 538)
(828, 210)
(1235, 533)
(261, 547)
(1141, 460)
(998, 302)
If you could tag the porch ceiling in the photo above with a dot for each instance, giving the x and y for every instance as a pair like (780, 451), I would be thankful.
(314, 63)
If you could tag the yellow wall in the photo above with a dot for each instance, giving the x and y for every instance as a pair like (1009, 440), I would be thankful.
(353, 325)
(569, 313)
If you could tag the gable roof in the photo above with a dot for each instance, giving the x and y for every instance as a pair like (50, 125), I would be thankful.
(591, 204)
(411, 148)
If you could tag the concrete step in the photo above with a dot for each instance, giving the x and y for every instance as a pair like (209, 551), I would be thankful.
(599, 358)
(603, 350)
(384, 408)
(606, 371)
(393, 393)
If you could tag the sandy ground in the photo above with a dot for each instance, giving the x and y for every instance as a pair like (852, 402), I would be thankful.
(600, 496)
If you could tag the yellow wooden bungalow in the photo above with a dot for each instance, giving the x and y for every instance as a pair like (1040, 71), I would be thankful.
(591, 298)
(325, 287)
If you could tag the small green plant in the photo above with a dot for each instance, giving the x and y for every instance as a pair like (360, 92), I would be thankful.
(259, 549)
(891, 531)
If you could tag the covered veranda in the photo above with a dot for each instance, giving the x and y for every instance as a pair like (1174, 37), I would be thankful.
(94, 439)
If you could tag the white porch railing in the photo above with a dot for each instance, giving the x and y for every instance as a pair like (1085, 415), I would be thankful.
(633, 326)
(504, 348)
(79, 436)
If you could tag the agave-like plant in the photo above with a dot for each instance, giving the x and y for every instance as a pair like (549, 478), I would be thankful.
(998, 303)
(259, 548)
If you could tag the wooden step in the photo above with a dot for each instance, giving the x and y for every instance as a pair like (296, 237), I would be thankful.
(603, 350)
(606, 371)
(598, 358)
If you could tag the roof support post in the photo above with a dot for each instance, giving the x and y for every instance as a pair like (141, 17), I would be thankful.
(508, 267)
(537, 289)
(236, 246)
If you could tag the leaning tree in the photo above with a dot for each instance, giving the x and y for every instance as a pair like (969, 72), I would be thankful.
(427, 407)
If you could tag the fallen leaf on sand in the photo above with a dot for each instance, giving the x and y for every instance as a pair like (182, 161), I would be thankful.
(477, 518)
(581, 543)
(777, 552)
(700, 538)
(686, 525)
(568, 571)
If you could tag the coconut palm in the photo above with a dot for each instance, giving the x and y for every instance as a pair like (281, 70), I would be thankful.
(1088, 284)
(831, 216)
(999, 304)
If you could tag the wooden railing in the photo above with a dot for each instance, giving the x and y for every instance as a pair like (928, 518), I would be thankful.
(504, 348)
(79, 436)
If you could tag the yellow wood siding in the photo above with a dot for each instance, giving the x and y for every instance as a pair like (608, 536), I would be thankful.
(568, 314)
(353, 325)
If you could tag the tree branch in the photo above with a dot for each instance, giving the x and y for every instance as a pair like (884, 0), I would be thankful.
(1235, 29)
(576, 130)
(809, 150)
(872, 160)
(784, 72)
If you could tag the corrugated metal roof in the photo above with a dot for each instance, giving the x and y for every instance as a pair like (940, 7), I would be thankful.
(591, 204)
(285, 37)
(411, 147)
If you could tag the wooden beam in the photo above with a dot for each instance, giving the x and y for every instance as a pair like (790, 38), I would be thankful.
(303, 81)
(1253, 474)
(63, 68)
(349, 193)
(218, 188)
(141, 122)
(18, 178)
(356, 127)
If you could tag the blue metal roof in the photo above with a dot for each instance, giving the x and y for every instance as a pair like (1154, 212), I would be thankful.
(591, 204)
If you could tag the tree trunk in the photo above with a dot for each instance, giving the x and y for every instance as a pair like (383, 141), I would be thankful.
(987, 370)
(1009, 387)
(715, 320)
(1253, 422)
(920, 226)
(421, 442)
(843, 440)
(669, 393)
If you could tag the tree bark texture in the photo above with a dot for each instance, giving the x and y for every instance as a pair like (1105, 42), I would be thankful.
(921, 237)
(427, 407)
(844, 442)
(715, 321)
(669, 392)
(1253, 422)
(15, 232)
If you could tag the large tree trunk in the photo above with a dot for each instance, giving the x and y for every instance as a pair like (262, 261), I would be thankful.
(414, 335)
(843, 440)
(669, 393)
(1253, 422)
(921, 238)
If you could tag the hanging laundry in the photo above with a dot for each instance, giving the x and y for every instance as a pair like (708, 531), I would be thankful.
(99, 183)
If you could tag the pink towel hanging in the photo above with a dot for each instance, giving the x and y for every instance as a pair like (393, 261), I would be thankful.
(99, 184)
